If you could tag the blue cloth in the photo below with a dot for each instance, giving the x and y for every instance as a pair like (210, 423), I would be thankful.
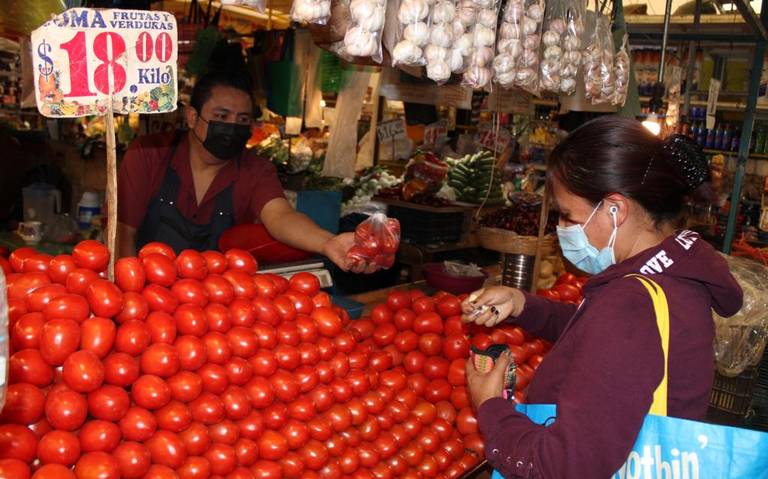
(672, 448)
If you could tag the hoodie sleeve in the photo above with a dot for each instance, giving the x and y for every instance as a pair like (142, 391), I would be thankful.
(728, 297)
(543, 317)
(602, 404)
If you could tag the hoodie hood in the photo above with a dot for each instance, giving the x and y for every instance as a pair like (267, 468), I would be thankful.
(686, 257)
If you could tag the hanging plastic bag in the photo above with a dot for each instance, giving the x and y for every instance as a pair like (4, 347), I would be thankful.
(376, 242)
(463, 41)
(517, 61)
(478, 74)
(363, 39)
(599, 74)
(561, 55)
(442, 58)
(311, 11)
(413, 33)
(621, 66)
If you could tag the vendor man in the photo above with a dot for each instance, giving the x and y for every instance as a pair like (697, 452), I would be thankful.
(184, 189)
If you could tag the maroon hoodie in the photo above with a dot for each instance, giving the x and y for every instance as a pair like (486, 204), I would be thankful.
(607, 361)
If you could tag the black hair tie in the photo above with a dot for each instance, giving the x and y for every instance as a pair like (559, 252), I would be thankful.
(688, 159)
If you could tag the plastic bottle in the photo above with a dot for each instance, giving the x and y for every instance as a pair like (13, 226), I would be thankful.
(710, 139)
(89, 206)
(701, 138)
(696, 131)
(725, 140)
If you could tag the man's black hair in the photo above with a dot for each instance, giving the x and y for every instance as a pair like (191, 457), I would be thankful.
(203, 89)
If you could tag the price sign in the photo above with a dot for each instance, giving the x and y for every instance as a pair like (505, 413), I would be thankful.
(488, 139)
(388, 130)
(436, 133)
(85, 58)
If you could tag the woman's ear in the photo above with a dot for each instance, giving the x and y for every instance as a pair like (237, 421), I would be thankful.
(618, 204)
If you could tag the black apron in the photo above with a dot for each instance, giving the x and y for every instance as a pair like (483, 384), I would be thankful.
(165, 223)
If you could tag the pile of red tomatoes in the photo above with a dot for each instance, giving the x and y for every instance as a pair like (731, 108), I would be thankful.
(568, 288)
(196, 366)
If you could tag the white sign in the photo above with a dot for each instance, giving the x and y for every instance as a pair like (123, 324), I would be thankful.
(714, 93)
(436, 133)
(388, 130)
(85, 58)
(488, 139)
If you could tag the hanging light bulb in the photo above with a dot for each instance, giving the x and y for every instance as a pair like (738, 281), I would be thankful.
(653, 124)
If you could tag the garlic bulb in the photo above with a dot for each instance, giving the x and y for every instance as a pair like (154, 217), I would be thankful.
(440, 35)
(553, 52)
(477, 77)
(503, 63)
(406, 53)
(529, 58)
(467, 13)
(513, 12)
(525, 77)
(531, 42)
(484, 36)
(571, 43)
(412, 11)
(487, 17)
(311, 11)
(569, 70)
(438, 71)
(572, 57)
(550, 82)
(567, 85)
(360, 43)
(530, 26)
(550, 67)
(455, 60)
(464, 44)
(434, 53)
(417, 33)
(482, 56)
(375, 21)
(511, 47)
(535, 12)
(359, 10)
(484, 3)
(458, 28)
(557, 25)
(506, 79)
(443, 12)
(551, 38)
(509, 31)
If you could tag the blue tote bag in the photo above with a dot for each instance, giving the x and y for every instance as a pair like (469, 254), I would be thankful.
(672, 448)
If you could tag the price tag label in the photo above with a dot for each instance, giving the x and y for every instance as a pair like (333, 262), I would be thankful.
(489, 140)
(390, 129)
(85, 58)
(714, 93)
(436, 133)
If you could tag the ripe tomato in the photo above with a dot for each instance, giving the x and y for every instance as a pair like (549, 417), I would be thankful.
(315, 455)
(481, 341)
(83, 372)
(327, 321)
(29, 366)
(133, 460)
(59, 268)
(66, 306)
(26, 331)
(157, 247)
(135, 306)
(138, 424)
(241, 283)
(150, 392)
(285, 308)
(459, 397)
(218, 317)
(105, 299)
(397, 300)
(97, 465)
(120, 369)
(222, 459)
(159, 269)
(384, 334)
(260, 391)
(185, 386)
(436, 367)
(418, 383)
(174, 416)
(129, 275)
(466, 422)
(414, 361)
(304, 283)
(217, 347)
(38, 299)
(272, 445)
(519, 354)
(322, 398)
(449, 305)
(224, 432)
(190, 319)
(91, 254)
(58, 447)
(166, 449)
(457, 372)
(422, 305)
(456, 346)
(431, 344)
(438, 390)
(20, 286)
(215, 261)
(567, 291)
(190, 291)
(428, 322)
(97, 335)
(326, 348)
(191, 264)
(160, 298)
(109, 403)
(60, 338)
(213, 377)
(219, 289)
(535, 360)
(132, 337)
(98, 435)
(24, 404)
(285, 385)
(65, 409)
(265, 287)
(238, 259)
(195, 439)
(275, 416)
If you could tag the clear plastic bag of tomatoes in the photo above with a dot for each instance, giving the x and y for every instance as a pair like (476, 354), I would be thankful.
(3, 339)
(376, 242)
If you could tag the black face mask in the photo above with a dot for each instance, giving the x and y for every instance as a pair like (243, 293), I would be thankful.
(226, 140)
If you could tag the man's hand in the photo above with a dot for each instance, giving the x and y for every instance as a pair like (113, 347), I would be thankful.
(484, 386)
(336, 249)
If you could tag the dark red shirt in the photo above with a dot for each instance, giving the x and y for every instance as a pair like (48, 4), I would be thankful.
(144, 165)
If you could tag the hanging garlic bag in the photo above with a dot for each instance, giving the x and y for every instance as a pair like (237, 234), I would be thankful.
(413, 33)
(599, 74)
(517, 61)
(621, 68)
(573, 53)
(561, 50)
(463, 41)
(442, 59)
(311, 11)
(363, 39)
(478, 73)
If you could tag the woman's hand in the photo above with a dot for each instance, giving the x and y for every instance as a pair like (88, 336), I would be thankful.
(335, 249)
(490, 306)
(484, 386)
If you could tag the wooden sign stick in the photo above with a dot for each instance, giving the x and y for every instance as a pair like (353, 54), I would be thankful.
(111, 189)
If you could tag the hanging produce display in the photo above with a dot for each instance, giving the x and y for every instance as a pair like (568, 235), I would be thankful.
(363, 38)
(478, 73)
(599, 73)
(413, 32)
(621, 64)
(562, 47)
(442, 59)
(311, 11)
(517, 61)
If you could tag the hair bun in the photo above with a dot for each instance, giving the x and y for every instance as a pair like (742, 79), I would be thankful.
(688, 159)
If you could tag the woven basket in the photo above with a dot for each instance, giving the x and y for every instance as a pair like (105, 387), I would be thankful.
(509, 242)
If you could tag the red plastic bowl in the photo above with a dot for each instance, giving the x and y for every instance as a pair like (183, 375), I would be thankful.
(255, 239)
(439, 279)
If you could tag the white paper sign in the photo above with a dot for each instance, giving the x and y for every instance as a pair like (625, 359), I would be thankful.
(390, 129)
(83, 57)
(714, 93)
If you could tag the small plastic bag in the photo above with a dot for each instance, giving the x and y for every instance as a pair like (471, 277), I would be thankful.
(463, 41)
(599, 74)
(621, 66)
(479, 74)
(517, 63)
(311, 11)
(363, 39)
(376, 242)
(561, 55)
(442, 59)
(413, 33)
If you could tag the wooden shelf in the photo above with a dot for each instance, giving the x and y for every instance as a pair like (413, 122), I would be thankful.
(752, 156)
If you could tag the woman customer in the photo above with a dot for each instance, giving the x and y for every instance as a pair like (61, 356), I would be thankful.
(619, 191)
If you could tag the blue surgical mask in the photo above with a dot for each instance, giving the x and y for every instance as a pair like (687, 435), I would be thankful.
(578, 250)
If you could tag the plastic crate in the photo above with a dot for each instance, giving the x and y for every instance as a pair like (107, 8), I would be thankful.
(757, 417)
(732, 397)
(423, 226)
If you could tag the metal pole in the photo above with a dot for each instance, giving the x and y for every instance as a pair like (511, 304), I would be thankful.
(664, 38)
(746, 136)
(691, 60)
(746, 132)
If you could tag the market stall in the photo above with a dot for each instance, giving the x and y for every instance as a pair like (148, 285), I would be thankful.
(417, 130)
